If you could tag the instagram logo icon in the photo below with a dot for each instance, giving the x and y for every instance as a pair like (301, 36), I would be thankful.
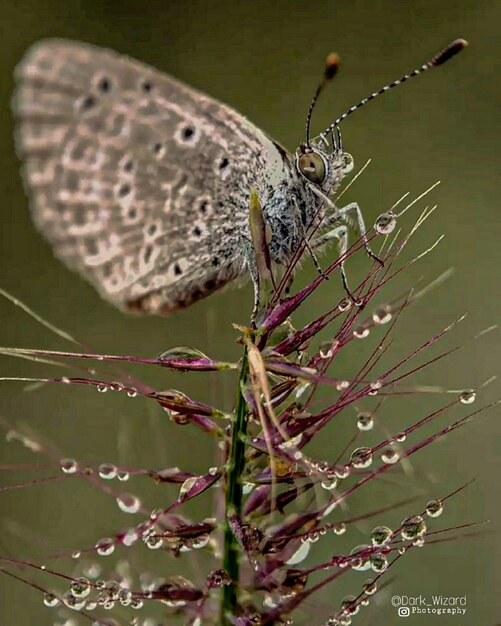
(404, 611)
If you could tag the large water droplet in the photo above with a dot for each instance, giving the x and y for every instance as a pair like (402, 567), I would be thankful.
(361, 458)
(105, 547)
(434, 508)
(385, 223)
(128, 503)
(381, 535)
(413, 527)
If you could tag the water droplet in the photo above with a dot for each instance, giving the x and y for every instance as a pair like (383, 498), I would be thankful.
(50, 600)
(107, 471)
(361, 458)
(467, 396)
(154, 542)
(349, 605)
(76, 555)
(128, 503)
(132, 393)
(69, 466)
(412, 527)
(360, 562)
(212, 471)
(130, 537)
(105, 547)
(401, 437)
(102, 388)
(80, 588)
(370, 587)
(390, 456)
(385, 223)
(339, 529)
(123, 476)
(342, 471)
(72, 602)
(361, 332)
(330, 482)
(374, 387)
(382, 315)
(342, 384)
(434, 508)
(365, 421)
(381, 535)
(378, 562)
(344, 305)
(137, 603)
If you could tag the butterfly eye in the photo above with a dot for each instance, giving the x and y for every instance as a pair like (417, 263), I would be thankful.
(348, 162)
(312, 166)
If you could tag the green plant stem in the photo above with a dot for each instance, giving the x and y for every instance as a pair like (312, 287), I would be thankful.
(233, 500)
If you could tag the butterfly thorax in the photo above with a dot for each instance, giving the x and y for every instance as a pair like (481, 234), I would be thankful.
(296, 207)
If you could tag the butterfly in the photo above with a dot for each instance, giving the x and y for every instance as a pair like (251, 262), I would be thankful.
(141, 183)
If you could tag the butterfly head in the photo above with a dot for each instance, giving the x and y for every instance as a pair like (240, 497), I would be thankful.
(322, 166)
(322, 161)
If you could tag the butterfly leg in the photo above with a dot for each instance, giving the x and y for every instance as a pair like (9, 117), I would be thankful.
(341, 234)
(250, 261)
(344, 214)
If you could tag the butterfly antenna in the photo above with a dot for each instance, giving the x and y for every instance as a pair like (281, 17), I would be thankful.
(331, 68)
(439, 59)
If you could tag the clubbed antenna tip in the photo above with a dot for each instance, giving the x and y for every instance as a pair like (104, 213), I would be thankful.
(451, 50)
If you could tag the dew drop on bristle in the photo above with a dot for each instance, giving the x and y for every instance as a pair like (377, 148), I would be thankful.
(365, 421)
(382, 315)
(360, 562)
(339, 529)
(344, 305)
(378, 563)
(105, 546)
(361, 333)
(50, 600)
(381, 535)
(102, 388)
(385, 223)
(390, 456)
(69, 466)
(107, 471)
(123, 476)
(361, 458)
(80, 588)
(369, 587)
(128, 503)
(434, 508)
(467, 397)
(412, 528)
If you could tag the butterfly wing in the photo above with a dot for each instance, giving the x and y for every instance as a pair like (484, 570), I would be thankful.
(139, 182)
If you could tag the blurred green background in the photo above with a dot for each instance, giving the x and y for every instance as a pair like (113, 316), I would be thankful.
(264, 59)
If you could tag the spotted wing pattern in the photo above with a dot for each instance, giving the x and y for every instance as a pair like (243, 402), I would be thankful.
(139, 182)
